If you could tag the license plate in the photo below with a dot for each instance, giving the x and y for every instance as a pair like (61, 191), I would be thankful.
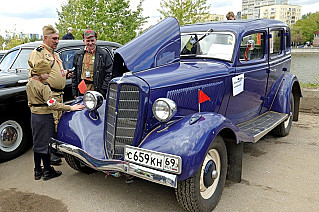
(156, 160)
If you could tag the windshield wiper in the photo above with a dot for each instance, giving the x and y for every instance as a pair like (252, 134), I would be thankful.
(201, 38)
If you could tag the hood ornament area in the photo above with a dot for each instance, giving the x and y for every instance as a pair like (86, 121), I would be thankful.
(126, 74)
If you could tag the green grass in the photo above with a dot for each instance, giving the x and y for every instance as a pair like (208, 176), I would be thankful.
(309, 85)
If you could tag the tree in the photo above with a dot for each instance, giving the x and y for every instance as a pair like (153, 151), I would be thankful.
(14, 41)
(1, 41)
(111, 19)
(185, 11)
(303, 30)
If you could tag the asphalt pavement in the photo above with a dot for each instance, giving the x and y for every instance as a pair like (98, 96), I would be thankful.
(279, 174)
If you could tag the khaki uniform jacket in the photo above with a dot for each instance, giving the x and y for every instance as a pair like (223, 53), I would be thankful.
(40, 94)
(57, 75)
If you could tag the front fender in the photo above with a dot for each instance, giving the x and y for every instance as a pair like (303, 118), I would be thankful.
(84, 129)
(190, 141)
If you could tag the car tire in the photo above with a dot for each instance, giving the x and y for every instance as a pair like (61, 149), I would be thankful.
(77, 165)
(201, 192)
(283, 128)
(13, 138)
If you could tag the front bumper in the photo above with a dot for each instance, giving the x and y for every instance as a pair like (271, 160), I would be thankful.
(152, 175)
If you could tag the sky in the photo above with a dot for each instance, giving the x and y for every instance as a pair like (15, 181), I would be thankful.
(29, 16)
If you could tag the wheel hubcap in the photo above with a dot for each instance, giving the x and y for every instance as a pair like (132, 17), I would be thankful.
(210, 174)
(10, 136)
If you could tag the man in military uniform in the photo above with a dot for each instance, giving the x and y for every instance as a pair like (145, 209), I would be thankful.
(57, 77)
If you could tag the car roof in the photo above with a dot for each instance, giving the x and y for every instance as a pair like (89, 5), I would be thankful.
(66, 43)
(237, 26)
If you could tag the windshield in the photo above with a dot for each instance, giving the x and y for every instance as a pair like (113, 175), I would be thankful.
(7, 60)
(218, 45)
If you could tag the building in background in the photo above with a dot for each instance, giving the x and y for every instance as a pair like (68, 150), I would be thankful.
(33, 36)
(289, 14)
(251, 8)
(216, 17)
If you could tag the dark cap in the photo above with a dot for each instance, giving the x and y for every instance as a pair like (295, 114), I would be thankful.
(89, 33)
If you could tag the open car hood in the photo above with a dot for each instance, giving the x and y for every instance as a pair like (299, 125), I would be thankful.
(157, 46)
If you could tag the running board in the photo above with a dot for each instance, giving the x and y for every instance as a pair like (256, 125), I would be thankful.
(263, 124)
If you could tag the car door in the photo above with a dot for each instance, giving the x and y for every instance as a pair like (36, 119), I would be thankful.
(279, 62)
(252, 67)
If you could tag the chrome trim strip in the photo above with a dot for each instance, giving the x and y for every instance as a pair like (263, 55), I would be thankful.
(145, 173)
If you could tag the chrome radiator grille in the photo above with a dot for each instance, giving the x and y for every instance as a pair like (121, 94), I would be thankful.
(122, 112)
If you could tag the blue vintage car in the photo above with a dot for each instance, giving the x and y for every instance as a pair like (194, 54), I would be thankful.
(182, 103)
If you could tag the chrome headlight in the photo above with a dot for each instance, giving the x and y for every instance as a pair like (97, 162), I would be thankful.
(92, 100)
(164, 109)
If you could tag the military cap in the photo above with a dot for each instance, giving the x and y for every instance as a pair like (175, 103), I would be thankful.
(89, 33)
(49, 30)
(41, 66)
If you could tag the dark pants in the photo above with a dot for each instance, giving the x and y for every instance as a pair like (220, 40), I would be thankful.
(42, 126)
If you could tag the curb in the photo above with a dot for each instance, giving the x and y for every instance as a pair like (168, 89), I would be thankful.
(310, 101)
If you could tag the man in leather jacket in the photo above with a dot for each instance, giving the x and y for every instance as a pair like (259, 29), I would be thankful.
(93, 66)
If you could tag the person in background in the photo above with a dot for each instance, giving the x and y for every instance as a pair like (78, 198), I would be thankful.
(230, 16)
(68, 35)
(57, 78)
(41, 103)
(92, 66)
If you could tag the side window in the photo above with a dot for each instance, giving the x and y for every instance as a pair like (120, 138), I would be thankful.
(22, 59)
(276, 42)
(8, 59)
(252, 47)
(67, 58)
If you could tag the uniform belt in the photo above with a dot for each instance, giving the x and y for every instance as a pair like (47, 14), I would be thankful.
(56, 90)
(88, 81)
(39, 105)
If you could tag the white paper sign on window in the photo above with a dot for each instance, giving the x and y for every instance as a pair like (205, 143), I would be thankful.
(238, 84)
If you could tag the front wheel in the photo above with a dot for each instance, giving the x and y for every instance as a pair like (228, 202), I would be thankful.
(13, 138)
(76, 164)
(202, 191)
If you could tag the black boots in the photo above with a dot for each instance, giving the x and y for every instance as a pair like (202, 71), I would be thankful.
(38, 173)
(50, 173)
(55, 160)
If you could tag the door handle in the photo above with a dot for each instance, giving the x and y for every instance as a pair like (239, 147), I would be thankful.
(23, 81)
(273, 70)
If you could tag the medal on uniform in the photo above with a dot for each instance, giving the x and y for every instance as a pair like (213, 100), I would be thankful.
(87, 73)
(63, 73)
